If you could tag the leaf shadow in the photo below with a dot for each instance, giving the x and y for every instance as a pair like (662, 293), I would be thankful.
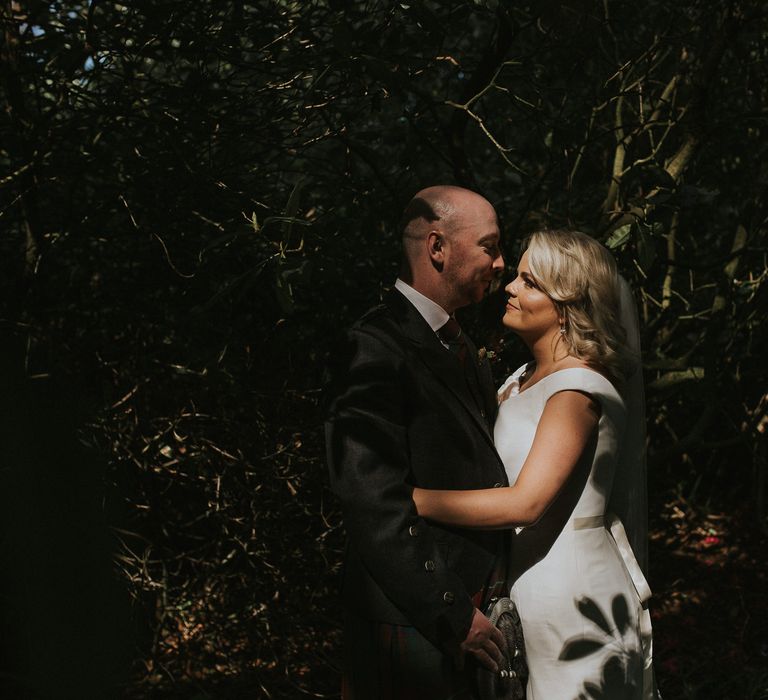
(622, 672)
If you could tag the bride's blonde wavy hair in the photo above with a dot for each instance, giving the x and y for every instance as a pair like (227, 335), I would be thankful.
(581, 278)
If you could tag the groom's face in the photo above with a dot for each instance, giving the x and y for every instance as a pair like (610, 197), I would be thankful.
(472, 254)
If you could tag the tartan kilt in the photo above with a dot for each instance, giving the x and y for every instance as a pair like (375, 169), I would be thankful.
(383, 661)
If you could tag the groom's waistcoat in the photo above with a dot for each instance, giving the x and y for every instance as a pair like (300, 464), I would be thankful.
(403, 416)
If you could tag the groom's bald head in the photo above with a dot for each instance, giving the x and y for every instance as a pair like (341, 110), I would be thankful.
(432, 207)
(443, 226)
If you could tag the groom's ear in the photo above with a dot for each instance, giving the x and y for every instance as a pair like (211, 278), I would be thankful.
(435, 243)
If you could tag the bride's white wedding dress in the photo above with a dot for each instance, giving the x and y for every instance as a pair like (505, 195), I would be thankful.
(581, 595)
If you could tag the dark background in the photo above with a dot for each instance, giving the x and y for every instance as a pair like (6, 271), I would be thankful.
(196, 198)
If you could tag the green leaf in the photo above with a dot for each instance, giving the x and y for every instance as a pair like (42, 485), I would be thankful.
(619, 237)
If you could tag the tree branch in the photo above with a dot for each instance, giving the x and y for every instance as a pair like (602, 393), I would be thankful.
(488, 67)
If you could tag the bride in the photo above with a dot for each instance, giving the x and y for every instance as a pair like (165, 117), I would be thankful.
(570, 433)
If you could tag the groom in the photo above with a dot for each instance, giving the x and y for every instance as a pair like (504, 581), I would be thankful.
(416, 408)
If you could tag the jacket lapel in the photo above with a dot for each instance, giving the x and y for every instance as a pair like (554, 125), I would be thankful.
(440, 362)
(485, 381)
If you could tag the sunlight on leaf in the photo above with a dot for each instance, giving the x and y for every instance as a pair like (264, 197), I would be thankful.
(619, 237)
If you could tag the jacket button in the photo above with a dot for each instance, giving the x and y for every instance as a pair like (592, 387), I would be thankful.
(482, 413)
(413, 531)
(448, 597)
(429, 565)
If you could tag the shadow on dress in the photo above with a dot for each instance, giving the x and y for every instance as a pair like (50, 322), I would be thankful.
(622, 672)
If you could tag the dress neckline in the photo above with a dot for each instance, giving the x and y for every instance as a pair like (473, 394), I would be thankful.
(515, 378)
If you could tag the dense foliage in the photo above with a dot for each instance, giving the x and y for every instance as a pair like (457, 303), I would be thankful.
(198, 197)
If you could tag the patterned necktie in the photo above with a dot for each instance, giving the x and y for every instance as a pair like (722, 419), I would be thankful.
(451, 334)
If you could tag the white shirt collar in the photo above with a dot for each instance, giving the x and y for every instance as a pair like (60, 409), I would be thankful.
(434, 314)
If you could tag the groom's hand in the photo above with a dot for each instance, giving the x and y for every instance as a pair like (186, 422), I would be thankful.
(484, 642)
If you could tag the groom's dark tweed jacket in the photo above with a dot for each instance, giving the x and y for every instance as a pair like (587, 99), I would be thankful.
(403, 416)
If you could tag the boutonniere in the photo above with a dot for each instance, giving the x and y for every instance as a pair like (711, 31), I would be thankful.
(483, 355)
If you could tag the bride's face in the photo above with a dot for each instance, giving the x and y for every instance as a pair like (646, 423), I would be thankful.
(530, 312)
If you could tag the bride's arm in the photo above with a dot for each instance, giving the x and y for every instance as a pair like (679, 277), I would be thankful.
(566, 426)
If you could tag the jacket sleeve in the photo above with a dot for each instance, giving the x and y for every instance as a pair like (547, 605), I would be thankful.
(367, 438)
